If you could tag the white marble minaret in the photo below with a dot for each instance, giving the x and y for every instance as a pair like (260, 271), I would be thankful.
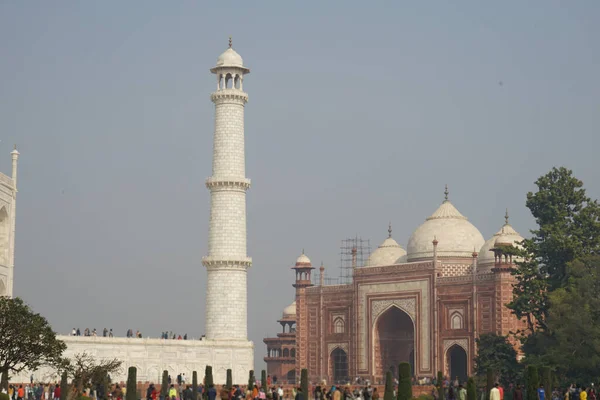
(227, 262)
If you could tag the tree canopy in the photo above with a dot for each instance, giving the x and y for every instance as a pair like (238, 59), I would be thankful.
(27, 341)
(496, 353)
(558, 279)
(86, 372)
(568, 228)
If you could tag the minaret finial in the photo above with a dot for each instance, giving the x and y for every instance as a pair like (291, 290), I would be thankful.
(446, 193)
(506, 217)
(390, 230)
(15, 146)
(230, 42)
(302, 251)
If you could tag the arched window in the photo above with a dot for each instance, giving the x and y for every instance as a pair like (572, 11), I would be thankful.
(286, 353)
(338, 326)
(456, 321)
(293, 353)
(4, 229)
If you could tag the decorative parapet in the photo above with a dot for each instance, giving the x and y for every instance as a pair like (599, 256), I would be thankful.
(229, 95)
(241, 263)
(228, 183)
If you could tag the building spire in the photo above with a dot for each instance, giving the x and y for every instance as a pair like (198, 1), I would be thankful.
(506, 217)
(230, 42)
(446, 193)
(390, 230)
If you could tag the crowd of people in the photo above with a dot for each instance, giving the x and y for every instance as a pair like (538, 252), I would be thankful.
(129, 334)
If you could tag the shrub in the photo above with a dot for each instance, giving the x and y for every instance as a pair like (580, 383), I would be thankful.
(440, 385)
(389, 387)
(4, 396)
(131, 393)
(194, 385)
(532, 380)
(404, 382)
(304, 383)
(64, 386)
(229, 383)
(471, 389)
(164, 386)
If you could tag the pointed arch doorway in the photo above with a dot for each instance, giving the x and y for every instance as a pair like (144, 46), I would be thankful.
(457, 363)
(394, 341)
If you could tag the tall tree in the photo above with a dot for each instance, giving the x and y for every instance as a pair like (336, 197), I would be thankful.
(573, 349)
(27, 341)
(568, 228)
(131, 393)
(495, 353)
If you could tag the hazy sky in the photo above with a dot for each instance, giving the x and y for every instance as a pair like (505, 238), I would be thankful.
(359, 113)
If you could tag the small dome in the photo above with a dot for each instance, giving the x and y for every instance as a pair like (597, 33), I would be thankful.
(386, 254)
(504, 240)
(303, 259)
(456, 236)
(290, 311)
(230, 58)
(486, 255)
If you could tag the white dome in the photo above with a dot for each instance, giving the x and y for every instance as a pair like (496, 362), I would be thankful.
(456, 236)
(230, 58)
(486, 255)
(290, 311)
(303, 259)
(386, 254)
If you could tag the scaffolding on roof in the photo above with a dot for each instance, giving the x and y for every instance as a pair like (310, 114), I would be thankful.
(353, 254)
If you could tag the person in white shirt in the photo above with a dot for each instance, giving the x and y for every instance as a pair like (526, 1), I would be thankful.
(495, 393)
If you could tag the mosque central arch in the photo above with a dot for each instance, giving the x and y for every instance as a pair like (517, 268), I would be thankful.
(394, 341)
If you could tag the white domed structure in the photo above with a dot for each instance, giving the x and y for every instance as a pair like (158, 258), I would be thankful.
(388, 253)
(290, 311)
(303, 259)
(456, 236)
(230, 58)
(486, 255)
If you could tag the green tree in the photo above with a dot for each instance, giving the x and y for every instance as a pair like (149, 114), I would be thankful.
(229, 383)
(568, 228)
(496, 353)
(490, 381)
(131, 393)
(304, 383)
(573, 349)
(388, 394)
(471, 389)
(263, 380)
(532, 381)
(404, 382)
(208, 380)
(440, 385)
(194, 385)
(546, 378)
(64, 386)
(25, 346)
(164, 385)
(251, 380)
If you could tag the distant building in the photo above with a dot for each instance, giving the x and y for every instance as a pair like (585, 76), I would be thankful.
(8, 203)
(425, 306)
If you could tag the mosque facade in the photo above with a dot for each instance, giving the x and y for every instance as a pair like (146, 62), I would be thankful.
(425, 305)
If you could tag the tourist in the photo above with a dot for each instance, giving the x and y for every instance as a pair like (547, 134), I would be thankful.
(78, 332)
(57, 391)
(541, 393)
(318, 392)
(212, 392)
(375, 394)
(501, 390)
(495, 393)
(298, 395)
(518, 393)
(451, 395)
(172, 393)
(73, 332)
(582, 396)
(104, 332)
(110, 333)
(592, 394)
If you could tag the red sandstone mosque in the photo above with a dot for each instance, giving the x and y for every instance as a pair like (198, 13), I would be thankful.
(424, 305)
